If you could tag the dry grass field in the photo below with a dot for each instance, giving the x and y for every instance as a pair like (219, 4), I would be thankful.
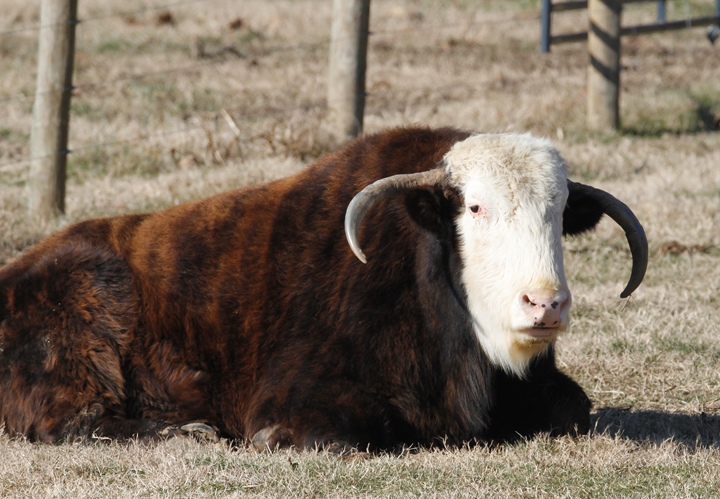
(157, 92)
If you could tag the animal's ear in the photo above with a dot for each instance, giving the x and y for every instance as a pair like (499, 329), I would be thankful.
(433, 209)
(582, 213)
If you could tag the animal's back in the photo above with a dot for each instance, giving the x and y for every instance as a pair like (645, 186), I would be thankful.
(186, 314)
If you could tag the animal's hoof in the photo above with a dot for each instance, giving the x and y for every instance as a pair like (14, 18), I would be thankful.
(271, 438)
(165, 430)
(201, 431)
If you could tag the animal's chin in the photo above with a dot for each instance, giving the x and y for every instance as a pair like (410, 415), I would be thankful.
(540, 334)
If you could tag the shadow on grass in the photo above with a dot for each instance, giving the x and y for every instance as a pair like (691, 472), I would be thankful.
(689, 430)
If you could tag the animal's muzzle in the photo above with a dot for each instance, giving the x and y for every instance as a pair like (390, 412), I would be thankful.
(544, 308)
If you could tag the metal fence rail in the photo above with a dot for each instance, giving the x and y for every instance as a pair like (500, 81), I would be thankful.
(603, 38)
(548, 7)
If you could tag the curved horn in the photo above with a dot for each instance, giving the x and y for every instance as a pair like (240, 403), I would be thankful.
(376, 192)
(625, 218)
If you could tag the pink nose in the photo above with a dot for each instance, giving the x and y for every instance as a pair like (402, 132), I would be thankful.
(544, 306)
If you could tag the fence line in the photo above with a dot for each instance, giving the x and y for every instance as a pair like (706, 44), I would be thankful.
(275, 50)
(603, 37)
(254, 53)
(6, 166)
(548, 7)
(271, 51)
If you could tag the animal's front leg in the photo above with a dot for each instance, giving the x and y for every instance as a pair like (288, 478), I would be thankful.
(546, 401)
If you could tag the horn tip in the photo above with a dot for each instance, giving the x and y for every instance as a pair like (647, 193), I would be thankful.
(361, 256)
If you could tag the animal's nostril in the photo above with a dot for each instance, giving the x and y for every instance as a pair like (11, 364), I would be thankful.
(544, 305)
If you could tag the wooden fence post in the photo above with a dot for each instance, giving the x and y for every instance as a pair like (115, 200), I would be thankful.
(604, 67)
(348, 51)
(51, 111)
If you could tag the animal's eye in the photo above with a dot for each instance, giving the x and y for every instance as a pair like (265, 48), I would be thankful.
(475, 208)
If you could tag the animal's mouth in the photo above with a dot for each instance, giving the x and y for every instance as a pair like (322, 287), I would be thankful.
(541, 333)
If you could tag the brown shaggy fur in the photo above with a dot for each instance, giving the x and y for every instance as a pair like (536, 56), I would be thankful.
(249, 311)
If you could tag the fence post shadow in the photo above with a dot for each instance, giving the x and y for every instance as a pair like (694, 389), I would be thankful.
(691, 431)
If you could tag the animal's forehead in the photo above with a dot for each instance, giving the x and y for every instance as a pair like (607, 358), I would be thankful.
(512, 163)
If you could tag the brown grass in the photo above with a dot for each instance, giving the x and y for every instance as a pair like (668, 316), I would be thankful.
(601, 466)
(143, 141)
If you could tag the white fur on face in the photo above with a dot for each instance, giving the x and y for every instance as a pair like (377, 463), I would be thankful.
(514, 189)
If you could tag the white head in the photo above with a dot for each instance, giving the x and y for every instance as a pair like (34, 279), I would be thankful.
(514, 190)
